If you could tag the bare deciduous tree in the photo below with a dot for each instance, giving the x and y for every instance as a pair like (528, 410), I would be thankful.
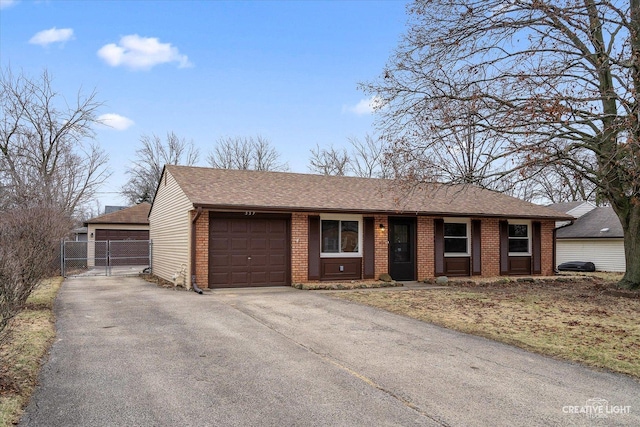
(557, 80)
(29, 238)
(46, 151)
(367, 158)
(555, 184)
(49, 169)
(330, 161)
(246, 154)
(145, 171)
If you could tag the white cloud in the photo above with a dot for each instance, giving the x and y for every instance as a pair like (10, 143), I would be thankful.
(364, 107)
(116, 121)
(7, 3)
(141, 53)
(53, 35)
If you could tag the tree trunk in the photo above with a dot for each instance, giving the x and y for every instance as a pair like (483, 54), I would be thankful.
(631, 227)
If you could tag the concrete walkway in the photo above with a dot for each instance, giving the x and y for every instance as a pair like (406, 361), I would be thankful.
(130, 353)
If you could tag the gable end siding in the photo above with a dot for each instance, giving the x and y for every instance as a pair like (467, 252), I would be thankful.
(169, 229)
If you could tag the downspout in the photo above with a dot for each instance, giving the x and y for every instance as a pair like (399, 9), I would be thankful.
(194, 285)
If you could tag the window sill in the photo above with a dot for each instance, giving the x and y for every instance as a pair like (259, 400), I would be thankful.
(340, 255)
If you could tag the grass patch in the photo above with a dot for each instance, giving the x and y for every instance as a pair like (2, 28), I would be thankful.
(30, 335)
(578, 320)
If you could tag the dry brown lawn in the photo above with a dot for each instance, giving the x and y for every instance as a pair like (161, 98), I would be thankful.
(584, 320)
(31, 333)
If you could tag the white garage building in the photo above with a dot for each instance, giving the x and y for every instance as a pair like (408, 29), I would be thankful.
(595, 236)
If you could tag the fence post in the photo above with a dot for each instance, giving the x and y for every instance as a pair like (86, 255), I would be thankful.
(107, 260)
(62, 272)
(150, 256)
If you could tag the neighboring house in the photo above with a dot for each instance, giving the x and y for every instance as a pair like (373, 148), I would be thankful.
(110, 209)
(130, 223)
(595, 236)
(233, 228)
(79, 234)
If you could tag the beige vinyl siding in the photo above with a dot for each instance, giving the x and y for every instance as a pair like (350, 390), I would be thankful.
(577, 212)
(606, 254)
(170, 228)
(584, 208)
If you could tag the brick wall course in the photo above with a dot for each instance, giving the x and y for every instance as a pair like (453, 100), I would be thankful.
(490, 247)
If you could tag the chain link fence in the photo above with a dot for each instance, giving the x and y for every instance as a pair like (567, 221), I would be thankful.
(105, 258)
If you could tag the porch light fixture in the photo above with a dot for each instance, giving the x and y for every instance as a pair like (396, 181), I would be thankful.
(382, 227)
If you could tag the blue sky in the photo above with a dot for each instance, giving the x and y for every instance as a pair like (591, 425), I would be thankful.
(286, 70)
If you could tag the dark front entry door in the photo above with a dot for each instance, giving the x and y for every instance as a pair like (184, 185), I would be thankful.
(402, 248)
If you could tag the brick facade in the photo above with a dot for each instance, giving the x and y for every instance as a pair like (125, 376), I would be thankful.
(202, 249)
(381, 243)
(425, 248)
(547, 248)
(299, 247)
(490, 247)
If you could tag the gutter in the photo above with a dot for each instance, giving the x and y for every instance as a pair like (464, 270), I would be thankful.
(194, 285)
(285, 209)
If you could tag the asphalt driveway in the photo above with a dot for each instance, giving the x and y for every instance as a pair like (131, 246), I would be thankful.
(131, 354)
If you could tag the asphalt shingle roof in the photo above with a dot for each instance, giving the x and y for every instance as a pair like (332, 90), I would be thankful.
(256, 190)
(565, 206)
(137, 214)
(590, 225)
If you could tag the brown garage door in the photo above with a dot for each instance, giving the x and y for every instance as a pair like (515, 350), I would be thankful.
(248, 252)
(123, 250)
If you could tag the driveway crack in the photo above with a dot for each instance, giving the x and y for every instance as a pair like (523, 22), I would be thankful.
(335, 362)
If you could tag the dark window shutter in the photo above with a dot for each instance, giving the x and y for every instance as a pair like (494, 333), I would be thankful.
(314, 248)
(554, 253)
(536, 247)
(476, 247)
(369, 248)
(504, 247)
(438, 246)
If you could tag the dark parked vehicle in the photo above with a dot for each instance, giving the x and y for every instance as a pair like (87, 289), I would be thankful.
(577, 266)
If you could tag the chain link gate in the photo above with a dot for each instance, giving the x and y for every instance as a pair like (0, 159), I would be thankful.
(105, 258)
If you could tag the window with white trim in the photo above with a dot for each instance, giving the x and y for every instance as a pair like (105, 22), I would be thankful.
(519, 238)
(456, 237)
(340, 235)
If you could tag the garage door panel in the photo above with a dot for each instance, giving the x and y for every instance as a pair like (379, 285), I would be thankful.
(220, 260)
(248, 252)
(258, 261)
(239, 278)
(220, 244)
(259, 278)
(278, 227)
(239, 226)
(239, 261)
(259, 244)
(277, 276)
(277, 260)
(276, 244)
(239, 243)
(219, 227)
(219, 278)
(259, 226)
